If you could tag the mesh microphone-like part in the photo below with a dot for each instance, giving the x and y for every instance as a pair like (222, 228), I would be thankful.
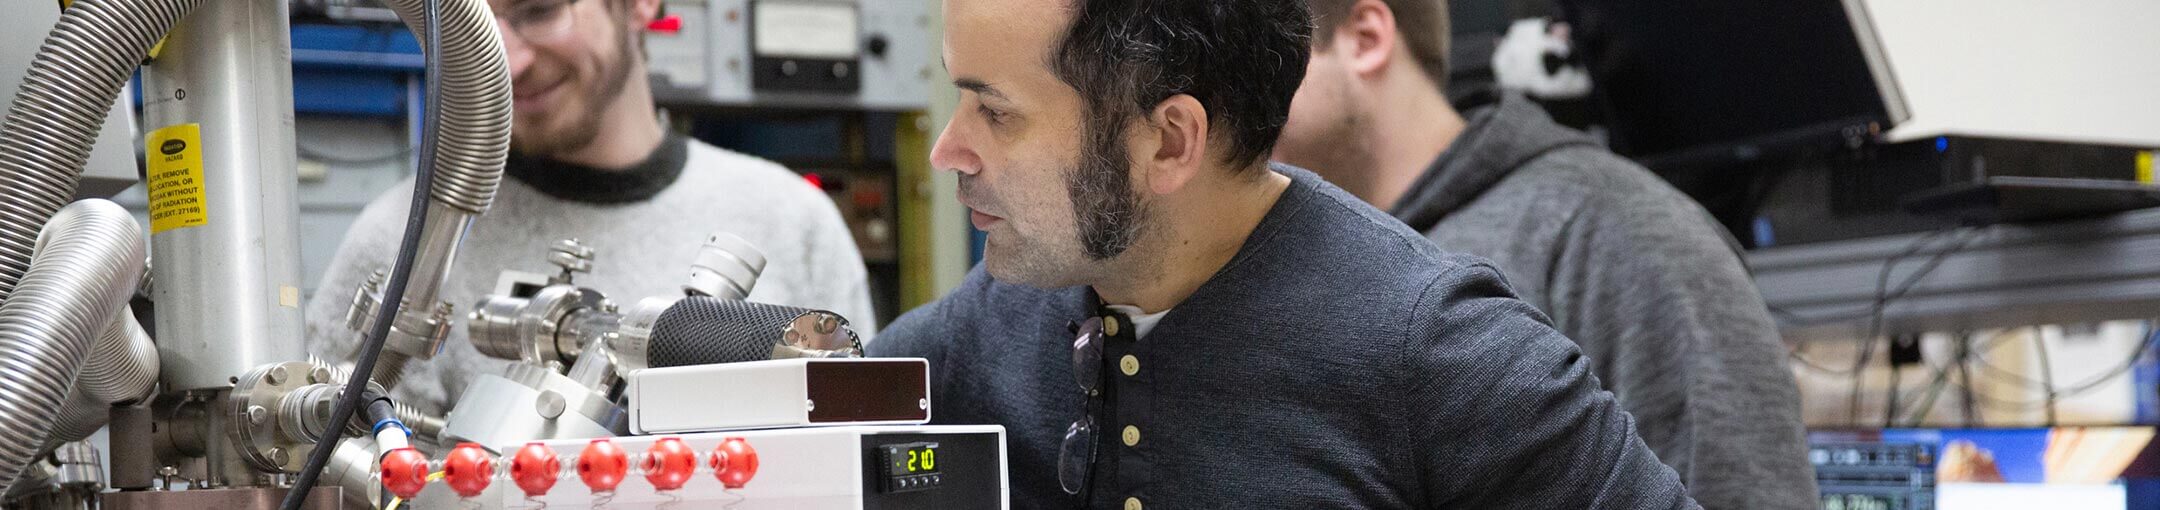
(707, 330)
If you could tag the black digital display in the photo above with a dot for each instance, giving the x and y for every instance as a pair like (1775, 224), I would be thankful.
(911, 459)
(911, 467)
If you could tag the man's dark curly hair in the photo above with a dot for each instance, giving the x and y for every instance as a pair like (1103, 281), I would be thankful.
(1242, 59)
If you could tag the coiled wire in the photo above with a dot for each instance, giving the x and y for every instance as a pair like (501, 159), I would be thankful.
(56, 115)
(79, 277)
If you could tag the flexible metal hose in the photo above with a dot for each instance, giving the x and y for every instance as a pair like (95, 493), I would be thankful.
(475, 131)
(424, 426)
(81, 416)
(63, 102)
(122, 370)
(123, 367)
(81, 274)
(473, 142)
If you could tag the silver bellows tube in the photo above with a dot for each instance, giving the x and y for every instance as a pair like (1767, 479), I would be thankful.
(55, 118)
(473, 140)
(80, 275)
(123, 367)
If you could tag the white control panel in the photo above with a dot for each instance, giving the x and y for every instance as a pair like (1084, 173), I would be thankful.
(819, 54)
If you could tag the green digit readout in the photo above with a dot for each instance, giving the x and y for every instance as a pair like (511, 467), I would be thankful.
(921, 459)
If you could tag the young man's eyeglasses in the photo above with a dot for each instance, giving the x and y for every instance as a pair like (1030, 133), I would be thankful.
(539, 20)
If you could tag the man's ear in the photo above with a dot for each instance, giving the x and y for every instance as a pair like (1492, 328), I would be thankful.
(1179, 142)
(1370, 32)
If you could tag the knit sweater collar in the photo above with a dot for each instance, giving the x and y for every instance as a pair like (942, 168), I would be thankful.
(581, 183)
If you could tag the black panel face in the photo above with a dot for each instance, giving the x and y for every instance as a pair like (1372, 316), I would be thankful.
(965, 467)
(867, 390)
(812, 46)
(807, 75)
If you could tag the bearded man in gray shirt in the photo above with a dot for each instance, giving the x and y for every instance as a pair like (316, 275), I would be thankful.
(589, 160)
(1164, 320)
(1653, 291)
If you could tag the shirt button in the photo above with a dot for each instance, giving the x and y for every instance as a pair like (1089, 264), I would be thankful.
(1132, 435)
(1129, 364)
(1132, 503)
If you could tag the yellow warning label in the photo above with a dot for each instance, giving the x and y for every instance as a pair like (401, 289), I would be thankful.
(176, 182)
(2145, 167)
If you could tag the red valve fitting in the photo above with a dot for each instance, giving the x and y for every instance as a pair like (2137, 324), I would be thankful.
(669, 464)
(535, 469)
(404, 472)
(603, 465)
(468, 469)
(734, 462)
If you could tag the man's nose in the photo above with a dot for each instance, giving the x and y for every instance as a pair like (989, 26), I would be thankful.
(952, 151)
(519, 54)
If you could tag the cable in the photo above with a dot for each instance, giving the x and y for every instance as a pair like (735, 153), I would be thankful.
(1883, 297)
(2047, 375)
(2143, 350)
(1890, 408)
(394, 292)
(1965, 398)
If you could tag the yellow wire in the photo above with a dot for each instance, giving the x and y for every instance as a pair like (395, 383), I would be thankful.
(394, 501)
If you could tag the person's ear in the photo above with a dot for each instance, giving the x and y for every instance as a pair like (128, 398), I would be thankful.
(1369, 32)
(1176, 149)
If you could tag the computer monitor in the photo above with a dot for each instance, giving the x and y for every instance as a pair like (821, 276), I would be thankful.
(2097, 468)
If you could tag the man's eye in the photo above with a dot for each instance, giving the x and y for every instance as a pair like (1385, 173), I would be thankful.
(993, 116)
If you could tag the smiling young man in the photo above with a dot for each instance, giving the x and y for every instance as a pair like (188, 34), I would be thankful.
(1162, 319)
(1650, 288)
(590, 160)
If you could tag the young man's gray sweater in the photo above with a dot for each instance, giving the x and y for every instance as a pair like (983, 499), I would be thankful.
(1651, 288)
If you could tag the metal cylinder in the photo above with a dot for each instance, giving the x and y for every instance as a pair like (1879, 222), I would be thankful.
(133, 459)
(76, 464)
(529, 403)
(632, 341)
(81, 276)
(422, 322)
(493, 326)
(229, 289)
(352, 467)
(304, 414)
(726, 267)
(586, 330)
(596, 371)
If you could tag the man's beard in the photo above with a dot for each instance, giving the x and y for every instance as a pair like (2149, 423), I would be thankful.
(584, 126)
(1106, 209)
